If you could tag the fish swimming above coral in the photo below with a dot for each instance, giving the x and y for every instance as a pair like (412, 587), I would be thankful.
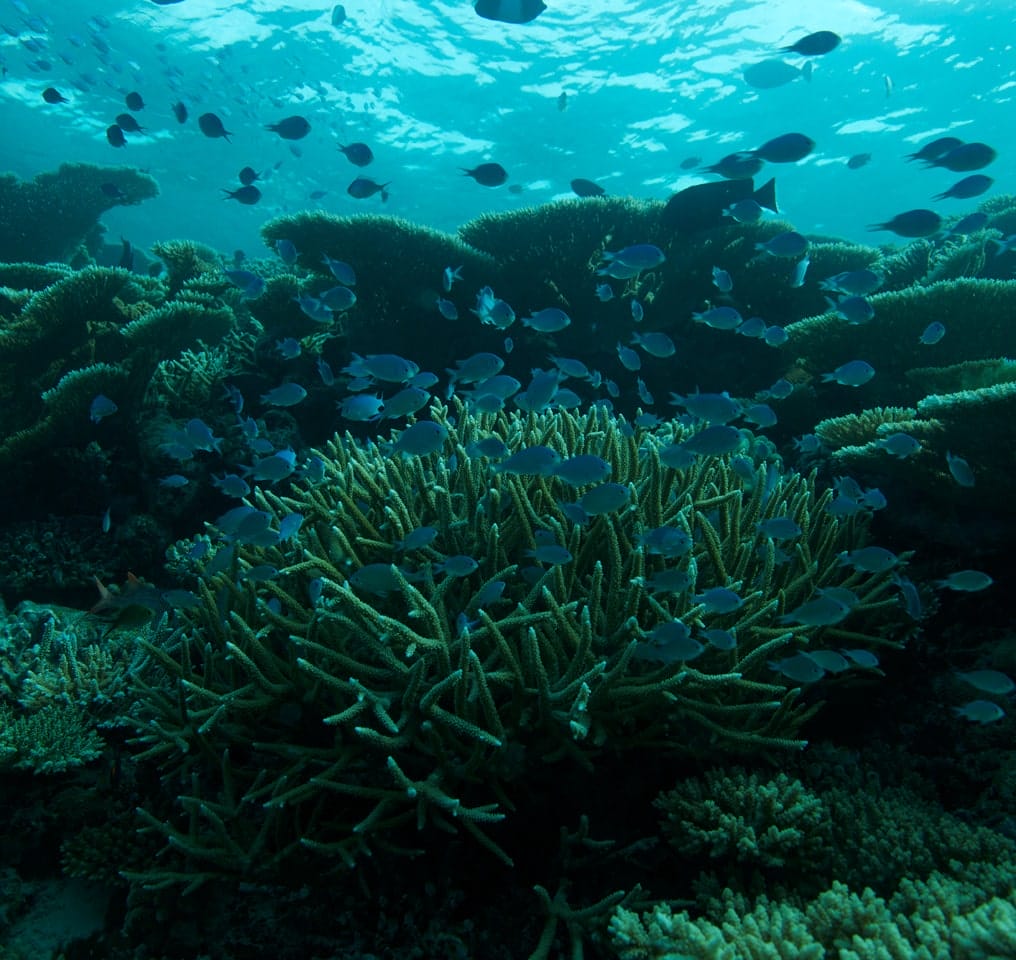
(701, 207)
(138, 603)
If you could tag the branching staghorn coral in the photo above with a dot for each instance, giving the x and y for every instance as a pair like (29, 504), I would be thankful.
(736, 816)
(334, 688)
(940, 917)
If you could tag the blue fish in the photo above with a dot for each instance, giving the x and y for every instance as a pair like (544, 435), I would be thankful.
(851, 374)
(101, 407)
(421, 439)
(287, 252)
(289, 348)
(287, 395)
(447, 309)
(341, 270)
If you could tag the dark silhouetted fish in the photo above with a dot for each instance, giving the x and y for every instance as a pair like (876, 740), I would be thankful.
(562, 101)
(338, 15)
(967, 156)
(248, 195)
(363, 187)
(112, 191)
(913, 223)
(128, 124)
(701, 207)
(126, 255)
(487, 174)
(292, 128)
(317, 194)
(166, 3)
(211, 126)
(510, 11)
(815, 44)
(972, 186)
(769, 74)
(742, 165)
(859, 160)
(138, 603)
(180, 111)
(586, 188)
(134, 101)
(114, 135)
(936, 148)
(689, 163)
(52, 95)
(788, 148)
(247, 176)
(358, 154)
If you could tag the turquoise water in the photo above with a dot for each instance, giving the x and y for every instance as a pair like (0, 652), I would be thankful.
(433, 88)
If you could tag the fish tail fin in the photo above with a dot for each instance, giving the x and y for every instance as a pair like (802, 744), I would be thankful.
(765, 196)
(807, 70)
(105, 596)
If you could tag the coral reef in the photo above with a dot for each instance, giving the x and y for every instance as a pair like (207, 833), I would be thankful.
(49, 218)
(861, 866)
(399, 268)
(939, 917)
(734, 816)
(342, 688)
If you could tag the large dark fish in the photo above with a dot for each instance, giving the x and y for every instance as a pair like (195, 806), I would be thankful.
(769, 74)
(211, 126)
(582, 187)
(115, 137)
(138, 603)
(935, 149)
(363, 187)
(912, 224)
(358, 154)
(972, 186)
(510, 11)
(701, 207)
(815, 44)
(965, 157)
(487, 174)
(742, 165)
(248, 195)
(788, 148)
(126, 255)
(292, 128)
